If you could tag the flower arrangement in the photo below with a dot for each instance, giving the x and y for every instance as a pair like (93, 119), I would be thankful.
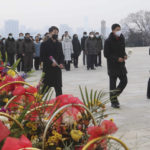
(62, 123)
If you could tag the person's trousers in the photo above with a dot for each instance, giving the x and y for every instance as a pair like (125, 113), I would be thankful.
(58, 90)
(90, 61)
(115, 90)
(36, 63)
(148, 89)
(76, 61)
(20, 66)
(67, 65)
(11, 58)
(99, 63)
(28, 62)
(84, 58)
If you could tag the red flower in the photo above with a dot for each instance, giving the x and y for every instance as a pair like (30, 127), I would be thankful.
(15, 144)
(19, 90)
(4, 131)
(107, 127)
(31, 90)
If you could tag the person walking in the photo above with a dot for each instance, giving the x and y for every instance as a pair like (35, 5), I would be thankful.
(67, 50)
(98, 61)
(10, 47)
(28, 52)
(83, 39)
(37, 45)
(2, 48)
(19, 52)
(91, 50)
(114, 51)
(52, 69)
(76, 49)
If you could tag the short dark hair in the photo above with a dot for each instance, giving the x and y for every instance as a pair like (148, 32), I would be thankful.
(114, 26)
(84, 32)
(27, 34)
(51, 29)
(10, 34)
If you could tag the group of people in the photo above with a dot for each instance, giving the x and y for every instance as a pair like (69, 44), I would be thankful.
(56, 54)
(26, 48)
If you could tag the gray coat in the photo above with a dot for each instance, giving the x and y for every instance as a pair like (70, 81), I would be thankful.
(10, 46)
(91, 46)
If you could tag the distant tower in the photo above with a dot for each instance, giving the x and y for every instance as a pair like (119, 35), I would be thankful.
(103, 28)
(12, 26)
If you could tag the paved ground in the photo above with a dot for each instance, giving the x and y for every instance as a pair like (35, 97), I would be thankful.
(133, 119)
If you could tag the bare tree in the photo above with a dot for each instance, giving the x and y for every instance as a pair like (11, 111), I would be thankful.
(137, 24)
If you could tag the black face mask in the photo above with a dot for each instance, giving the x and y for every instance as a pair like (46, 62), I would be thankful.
(55, 36)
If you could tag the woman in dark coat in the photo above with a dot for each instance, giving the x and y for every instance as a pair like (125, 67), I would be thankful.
(76, 49)
(53, 75)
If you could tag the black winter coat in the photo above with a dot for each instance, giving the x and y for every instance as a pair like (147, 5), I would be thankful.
(83, 39)
(10, 46)
(19, 46)
(76, 47)
(53, 75)
(113, 49)
(2, 49)
(28, 46)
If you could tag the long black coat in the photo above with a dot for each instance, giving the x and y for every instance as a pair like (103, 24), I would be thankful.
(113, 49)
(76, 47)
(53, 75)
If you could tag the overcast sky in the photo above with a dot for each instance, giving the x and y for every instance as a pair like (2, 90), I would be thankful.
(41, 13)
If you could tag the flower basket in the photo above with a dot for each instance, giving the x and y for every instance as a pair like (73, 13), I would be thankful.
(56, 113)
(108, 138)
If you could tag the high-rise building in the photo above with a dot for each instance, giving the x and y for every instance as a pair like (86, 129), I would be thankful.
(103, 28)
(12, 26)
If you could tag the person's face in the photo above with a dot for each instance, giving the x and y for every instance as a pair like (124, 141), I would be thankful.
(116, 29)
(28, 36)
(21, 35)
(37, 39)
(54, 32)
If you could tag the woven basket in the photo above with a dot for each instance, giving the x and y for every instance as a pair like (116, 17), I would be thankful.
(105, 137)
(57, 112)
(13, 119)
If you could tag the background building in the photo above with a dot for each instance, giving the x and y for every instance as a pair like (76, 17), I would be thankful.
(11, 26)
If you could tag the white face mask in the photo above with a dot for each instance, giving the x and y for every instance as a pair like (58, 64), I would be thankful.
(21, 37)
(10, 36)
(97, 36)
(92, 36)
(118, 33)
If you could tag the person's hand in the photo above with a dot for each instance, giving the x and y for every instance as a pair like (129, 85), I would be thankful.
(23, 54)
(54, 64)
(125, 57)
(61, 66)
(120, 60)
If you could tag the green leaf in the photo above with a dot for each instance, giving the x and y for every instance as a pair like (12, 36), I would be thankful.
(87, 97)
(95, 94)
(82, 95)
(16, 64)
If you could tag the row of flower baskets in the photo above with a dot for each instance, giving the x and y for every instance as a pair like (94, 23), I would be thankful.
(61, 123)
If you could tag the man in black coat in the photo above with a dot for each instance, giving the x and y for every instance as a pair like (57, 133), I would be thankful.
(76, 49)
(114, 51)
(10, 47)
(20, 53)
(53, 75)
(28, 52)
(83, 39)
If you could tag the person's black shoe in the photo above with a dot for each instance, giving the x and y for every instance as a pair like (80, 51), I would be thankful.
(115, 106)
(88, 68)
(93, 68)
